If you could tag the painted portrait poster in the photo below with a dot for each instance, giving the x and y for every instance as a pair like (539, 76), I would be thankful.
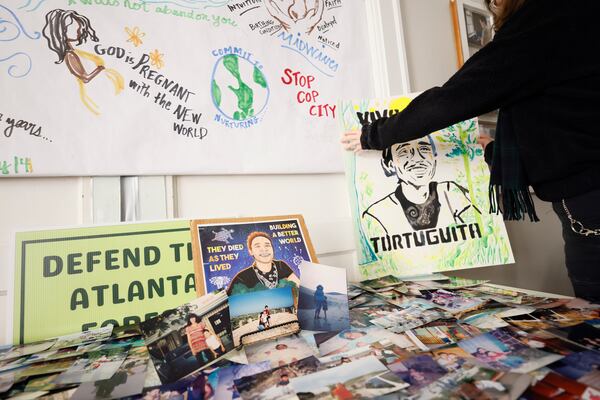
(250, 254)
(421, 206)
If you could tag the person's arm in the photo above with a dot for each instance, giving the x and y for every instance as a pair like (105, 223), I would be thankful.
(76, 67)
(286, 272)
(515, 64)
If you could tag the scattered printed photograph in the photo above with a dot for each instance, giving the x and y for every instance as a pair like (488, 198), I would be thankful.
(366, 300)
(323, 298)
(12, 352)
(581, 367)
(583, 334)
(280, 351)
(45, 383)
(554, 385)
(347, 340)
(494, 385)
(263, 315)
(417, 371)
(94, 366)
(383, 282)
(354, 291)
(411, 317)
(190, 337)
(275, 383)
(499, 349)
(82, 338)
(222, 380)
(366, 378)
(437, 336)
(127, 381)
(544, 340)
(451, 358)
(193, 387)
(361, 317)
(450, 301)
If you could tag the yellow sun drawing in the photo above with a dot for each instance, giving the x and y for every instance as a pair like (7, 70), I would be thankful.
(156, 59)
(135, 35)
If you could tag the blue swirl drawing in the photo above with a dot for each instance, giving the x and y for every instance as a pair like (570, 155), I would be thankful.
(191, 4)
(11, 68)
(5, 24)
(11, 30)
(35, 5)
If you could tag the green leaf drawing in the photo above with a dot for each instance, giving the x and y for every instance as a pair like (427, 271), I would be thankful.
(244, 93)
(259, 78)
(216, 92)
(231, 64)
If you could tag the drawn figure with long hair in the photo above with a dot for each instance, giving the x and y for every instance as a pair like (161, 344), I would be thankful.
(66, 29)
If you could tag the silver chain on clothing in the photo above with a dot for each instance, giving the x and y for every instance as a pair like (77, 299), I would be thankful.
(577, 226)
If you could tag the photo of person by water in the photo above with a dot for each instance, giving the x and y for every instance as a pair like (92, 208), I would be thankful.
(323, 299)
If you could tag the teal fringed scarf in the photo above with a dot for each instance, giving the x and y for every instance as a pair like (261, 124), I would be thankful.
(509, 185)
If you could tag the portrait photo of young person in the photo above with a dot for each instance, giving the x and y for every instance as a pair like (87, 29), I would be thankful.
(265, 272)
(244, 255)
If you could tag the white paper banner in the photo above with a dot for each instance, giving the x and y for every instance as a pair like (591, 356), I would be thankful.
(132, 87)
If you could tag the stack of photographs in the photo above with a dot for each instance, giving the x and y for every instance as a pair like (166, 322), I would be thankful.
(431, 338)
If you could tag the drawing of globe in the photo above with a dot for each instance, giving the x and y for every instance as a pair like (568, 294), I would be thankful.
(239, 89)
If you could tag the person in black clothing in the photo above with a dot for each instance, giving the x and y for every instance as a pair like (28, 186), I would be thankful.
(542, 70)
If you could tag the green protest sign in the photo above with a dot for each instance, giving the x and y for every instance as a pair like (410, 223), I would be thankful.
(68, 280)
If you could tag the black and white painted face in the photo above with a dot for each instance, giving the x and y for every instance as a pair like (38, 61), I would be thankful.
(414, 162)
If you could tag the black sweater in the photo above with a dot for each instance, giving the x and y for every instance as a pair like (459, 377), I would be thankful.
(543, 66)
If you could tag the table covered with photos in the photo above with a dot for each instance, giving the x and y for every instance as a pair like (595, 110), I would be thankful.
(431, 337)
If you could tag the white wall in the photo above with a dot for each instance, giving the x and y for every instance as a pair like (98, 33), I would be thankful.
(429, 40)
(322, 200)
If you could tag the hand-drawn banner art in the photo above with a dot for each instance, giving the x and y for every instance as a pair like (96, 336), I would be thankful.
(421, 206)
(143, 87)
(249, 254)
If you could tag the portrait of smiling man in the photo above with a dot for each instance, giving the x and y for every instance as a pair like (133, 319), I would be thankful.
(419, 201)
(265, 272)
